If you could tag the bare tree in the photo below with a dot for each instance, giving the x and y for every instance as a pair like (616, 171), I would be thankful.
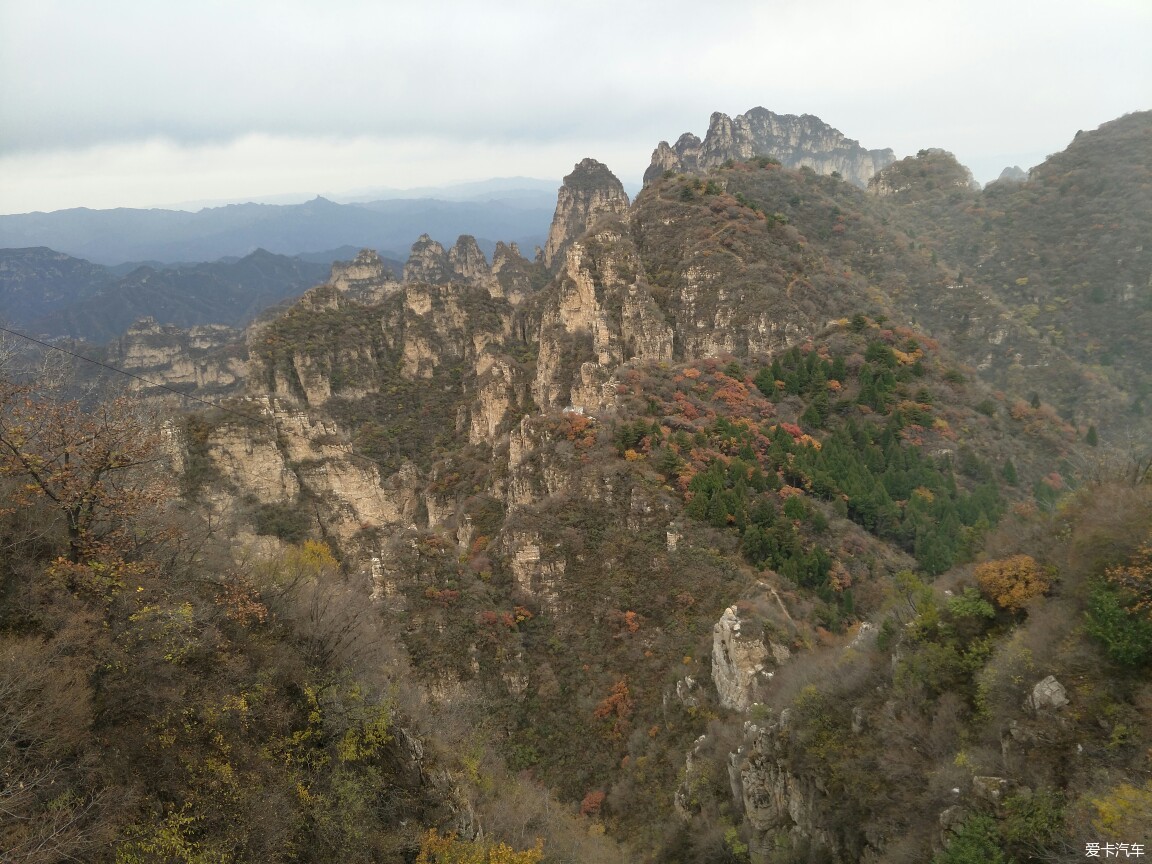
(94, 466)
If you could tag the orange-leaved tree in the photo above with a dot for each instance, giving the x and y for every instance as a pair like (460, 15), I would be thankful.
(1134, 580)
(1012, 582)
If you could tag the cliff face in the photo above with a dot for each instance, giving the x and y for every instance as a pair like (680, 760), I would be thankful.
(206, 357)
(589, 193)
(803, 141)
(598, 314)
(781, 804)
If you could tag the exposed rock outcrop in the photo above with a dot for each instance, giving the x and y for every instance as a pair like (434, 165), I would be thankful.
(367, 269)
(428, 262)
(738, 661)
(293, 452)
(511, 274)
(804, 141)
(1012, 174)
(538, 572)
(778, 802)
(1049, 694)
(599, 315)
(589, 193)
(467, 261)
(991, 789)
(174, 356)
(500, 387)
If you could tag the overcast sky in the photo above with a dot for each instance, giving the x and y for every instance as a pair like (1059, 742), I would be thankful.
(158, 102)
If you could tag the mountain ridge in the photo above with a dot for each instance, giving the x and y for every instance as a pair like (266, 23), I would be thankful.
(794, 141)
(55, 294)
(125, 234)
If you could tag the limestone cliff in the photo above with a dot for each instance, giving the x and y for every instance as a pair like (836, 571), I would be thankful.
(598, 314)
(589, 193)
(738, 661)
(780, 803)
(368, 266)
(512, 274)
(206, 357)
(428, 262)
(804, 141)
(284, 456)
(467, 261)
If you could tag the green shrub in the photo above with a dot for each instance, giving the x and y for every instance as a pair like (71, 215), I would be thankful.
(977, 842)
(1125, 634)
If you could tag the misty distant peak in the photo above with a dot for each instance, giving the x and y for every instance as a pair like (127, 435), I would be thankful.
(795, 141)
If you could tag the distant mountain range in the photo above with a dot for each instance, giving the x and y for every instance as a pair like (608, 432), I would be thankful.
(46, 292)
(110, 237)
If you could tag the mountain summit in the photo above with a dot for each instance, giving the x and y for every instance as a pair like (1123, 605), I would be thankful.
(794, 141)
(589, 192)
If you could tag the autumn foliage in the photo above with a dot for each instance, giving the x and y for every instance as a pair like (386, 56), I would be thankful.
(1134, 581)
(617, 709)
(1012, 582)
(90, 465)
(592, 803)
(449, 849)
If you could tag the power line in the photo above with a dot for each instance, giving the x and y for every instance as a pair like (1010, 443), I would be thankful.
(143, 380)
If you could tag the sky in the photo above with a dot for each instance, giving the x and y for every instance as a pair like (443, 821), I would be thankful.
(159, 103)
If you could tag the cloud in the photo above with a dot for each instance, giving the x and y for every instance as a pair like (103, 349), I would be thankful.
(982, 78)
(164, 173)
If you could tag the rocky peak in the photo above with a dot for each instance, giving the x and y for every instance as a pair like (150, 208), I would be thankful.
(590, 192)
(794, 141)
(428, 263)
(737, 661)
(1013, 174)
(504, 254)
(467, 261)
(367, 267)
(511, 273)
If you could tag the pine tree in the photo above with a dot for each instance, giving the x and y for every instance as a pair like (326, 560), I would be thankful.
(1008, 472)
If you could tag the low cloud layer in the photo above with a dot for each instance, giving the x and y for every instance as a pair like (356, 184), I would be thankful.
(138, 103)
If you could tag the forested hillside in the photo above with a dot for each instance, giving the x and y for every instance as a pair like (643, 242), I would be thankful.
(47, 292)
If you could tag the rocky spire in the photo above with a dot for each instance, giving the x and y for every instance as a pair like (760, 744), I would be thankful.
(467, 261)
(511, 273)
(367, 268)
(428, 263)
(589, 192)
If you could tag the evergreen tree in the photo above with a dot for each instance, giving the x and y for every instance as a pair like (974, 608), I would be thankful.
(1009, 473)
